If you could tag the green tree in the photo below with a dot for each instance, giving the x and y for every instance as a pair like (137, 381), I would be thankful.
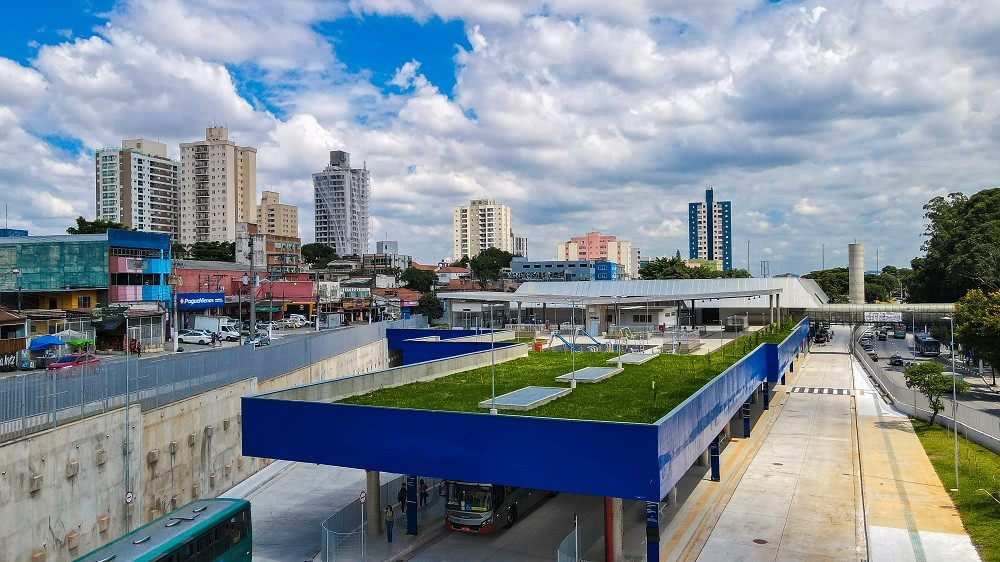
(464, 262)
(929, 379)
(960, 252)
(420, 280)
(213, 251)
(430, 306)
(977, 325)
(675, 268)
(318, 255)
(99, 226)
(486, 266)
(834, 282)
(179, 251)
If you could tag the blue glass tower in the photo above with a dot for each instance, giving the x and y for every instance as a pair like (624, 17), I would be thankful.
(710, 228)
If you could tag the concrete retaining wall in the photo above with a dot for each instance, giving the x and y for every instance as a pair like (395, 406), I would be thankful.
(193, 449)
(343, 387)
(187, 449)
(77, 474)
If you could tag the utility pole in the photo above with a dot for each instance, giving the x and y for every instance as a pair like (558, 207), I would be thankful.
(252, 286)
(824, 256)
(748, 257)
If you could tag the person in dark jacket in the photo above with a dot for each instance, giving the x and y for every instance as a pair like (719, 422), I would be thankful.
(422, 488)
(401, 496)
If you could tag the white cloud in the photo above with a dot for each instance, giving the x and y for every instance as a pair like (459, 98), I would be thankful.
(804, 207)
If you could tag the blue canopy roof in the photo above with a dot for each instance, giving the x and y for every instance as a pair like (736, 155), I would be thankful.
(41, 342)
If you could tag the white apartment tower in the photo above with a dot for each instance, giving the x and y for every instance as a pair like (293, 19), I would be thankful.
(480, 225)
(218, 187)
(341, 197)
(136, 185)
(274, 217)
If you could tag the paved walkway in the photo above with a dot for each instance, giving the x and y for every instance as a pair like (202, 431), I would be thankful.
(831, 473)
(909, 515)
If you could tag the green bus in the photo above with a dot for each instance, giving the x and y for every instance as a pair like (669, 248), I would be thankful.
(209, 530)
(899, 332)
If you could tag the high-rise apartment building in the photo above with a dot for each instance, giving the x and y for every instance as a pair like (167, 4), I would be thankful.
(218, 187)
(480, 225)
(595, 246)
(520, 246)
(710, 230)
(136, 185)
(341, 196)
(274, 217)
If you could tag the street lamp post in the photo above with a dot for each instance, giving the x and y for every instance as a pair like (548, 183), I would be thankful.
(954, 394)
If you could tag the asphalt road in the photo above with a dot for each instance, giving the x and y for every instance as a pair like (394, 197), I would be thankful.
(980, 396)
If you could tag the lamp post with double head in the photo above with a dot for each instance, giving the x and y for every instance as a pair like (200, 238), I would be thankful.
(954, 392)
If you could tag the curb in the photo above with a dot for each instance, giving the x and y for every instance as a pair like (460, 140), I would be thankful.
(434, 532)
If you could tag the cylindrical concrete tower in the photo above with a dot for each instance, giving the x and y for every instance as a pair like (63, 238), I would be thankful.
(856, 273)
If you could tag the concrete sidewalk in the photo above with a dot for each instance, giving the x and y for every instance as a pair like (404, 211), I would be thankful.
(909, 514)
(799, 498)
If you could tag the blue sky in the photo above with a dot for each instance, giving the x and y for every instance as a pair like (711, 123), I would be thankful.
(823, 122)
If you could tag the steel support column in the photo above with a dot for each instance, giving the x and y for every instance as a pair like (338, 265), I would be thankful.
(713, 451)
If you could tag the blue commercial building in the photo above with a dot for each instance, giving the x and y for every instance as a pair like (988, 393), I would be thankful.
(710, 230)
(605, 271)
(555, 270)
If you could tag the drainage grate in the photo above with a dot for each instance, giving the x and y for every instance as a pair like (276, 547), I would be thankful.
(814, 390)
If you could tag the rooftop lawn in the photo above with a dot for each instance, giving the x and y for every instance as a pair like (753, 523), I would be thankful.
(625, 397)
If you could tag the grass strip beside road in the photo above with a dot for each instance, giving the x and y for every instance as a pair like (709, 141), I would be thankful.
(625, 397)
(979, 473)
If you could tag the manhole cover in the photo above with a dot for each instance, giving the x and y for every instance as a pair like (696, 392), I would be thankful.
(777, 464)
(760, 541)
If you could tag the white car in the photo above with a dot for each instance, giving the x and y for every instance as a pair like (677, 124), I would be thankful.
(264, 326)
(202, 337)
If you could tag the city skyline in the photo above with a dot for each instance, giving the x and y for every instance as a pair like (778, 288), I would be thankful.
(727, 95)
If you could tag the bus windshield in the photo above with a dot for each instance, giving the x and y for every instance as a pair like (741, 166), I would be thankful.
(470, 497)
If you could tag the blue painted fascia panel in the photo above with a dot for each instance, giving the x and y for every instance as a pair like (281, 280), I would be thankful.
(687, 430)
(395, 336)
(789, 348)
(421, 351)
(584, 457)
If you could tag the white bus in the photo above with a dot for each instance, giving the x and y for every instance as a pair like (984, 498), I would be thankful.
(482, 508)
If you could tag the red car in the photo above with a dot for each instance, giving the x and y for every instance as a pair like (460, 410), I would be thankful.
(74, 360)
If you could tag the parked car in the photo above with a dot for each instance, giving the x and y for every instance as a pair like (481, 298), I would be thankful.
(268, 324)
(73, 360)
(201, 337)
(896, 360)
(259, 340)
(229, 334)
(873, 355)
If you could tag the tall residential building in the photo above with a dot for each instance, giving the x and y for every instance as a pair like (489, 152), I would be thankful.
(341, 196)
(710, 230)
(520, 246)
(136, 185)
(218, 187)
(277, 218)
(480, 225)
(595, 246)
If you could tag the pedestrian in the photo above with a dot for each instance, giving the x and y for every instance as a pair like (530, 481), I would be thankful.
(401, 496)
(389, 520)
(138, 348)
(423, 492)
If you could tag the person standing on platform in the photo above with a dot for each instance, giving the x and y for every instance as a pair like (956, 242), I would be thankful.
(422, 488)
(389, 520)
(401, 496)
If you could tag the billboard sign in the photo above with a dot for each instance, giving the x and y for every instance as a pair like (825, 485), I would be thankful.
(883, 316)
(200, 301)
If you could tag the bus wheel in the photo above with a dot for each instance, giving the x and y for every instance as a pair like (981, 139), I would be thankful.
(511, 517)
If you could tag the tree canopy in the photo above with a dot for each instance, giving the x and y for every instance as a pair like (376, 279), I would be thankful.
(882, 287)
(486, 266)
(318, 255)
(674, 268)
(99, 226)
(420, 280)
(464, 262)
(929, 379)
(977, 325)
(430, 306)
(961, 251)
(213, 251)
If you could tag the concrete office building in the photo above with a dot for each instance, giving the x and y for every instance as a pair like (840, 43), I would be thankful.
(274, 217)
(710, 230)
(218, 187)
(520, 246)
(341, 197)
(273, 255)
(387, 247)
(136, 185)
(480, 225)
(595, 246)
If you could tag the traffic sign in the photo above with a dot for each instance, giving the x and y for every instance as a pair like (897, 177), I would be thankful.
(363, 496)
(129, 496)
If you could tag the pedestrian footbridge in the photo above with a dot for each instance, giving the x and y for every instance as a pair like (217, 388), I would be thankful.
(918, 313)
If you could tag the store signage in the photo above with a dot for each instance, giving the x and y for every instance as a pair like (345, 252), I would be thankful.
(883, 316)
(132, 263)
(8, 362)
(200, 301)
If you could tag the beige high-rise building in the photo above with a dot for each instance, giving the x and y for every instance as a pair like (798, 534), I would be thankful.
(218, 187)
(480, 225)
(277, 218)
(137, 186)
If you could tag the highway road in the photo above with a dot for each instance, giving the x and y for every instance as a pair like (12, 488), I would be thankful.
(980, 396)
